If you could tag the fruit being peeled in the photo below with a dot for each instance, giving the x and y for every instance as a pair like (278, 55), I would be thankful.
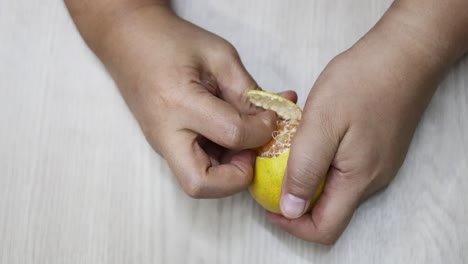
(272, 158)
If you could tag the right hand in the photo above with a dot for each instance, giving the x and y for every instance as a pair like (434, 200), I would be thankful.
(187, 88)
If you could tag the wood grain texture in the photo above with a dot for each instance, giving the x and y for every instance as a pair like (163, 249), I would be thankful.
(79, 184)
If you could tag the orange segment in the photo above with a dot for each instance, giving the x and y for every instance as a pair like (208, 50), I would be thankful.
(281, 141)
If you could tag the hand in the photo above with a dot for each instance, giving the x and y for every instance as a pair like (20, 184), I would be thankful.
(357, 125)
(187, 88)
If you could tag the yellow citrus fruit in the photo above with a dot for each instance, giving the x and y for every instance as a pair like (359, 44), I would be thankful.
(272, 158)
(283, 107)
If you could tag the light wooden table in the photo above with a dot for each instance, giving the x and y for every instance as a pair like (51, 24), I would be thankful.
(79, 184)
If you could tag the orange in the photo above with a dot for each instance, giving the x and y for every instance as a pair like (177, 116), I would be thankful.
(272, 158)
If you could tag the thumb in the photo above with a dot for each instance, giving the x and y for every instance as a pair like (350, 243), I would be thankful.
(312, 152)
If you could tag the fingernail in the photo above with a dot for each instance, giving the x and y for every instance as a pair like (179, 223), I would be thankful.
(292, 206)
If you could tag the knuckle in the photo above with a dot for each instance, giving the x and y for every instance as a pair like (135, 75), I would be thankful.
(230, 51)
(299, 183)
(378, 177)
(235, 134)
(303, 178)
(328, 240)
(339, 62)
(327, 236)
(171, 99)
(386, 183)
(328, 132)
(382, 181)
(225, 51)
(194, 187)
(301, 186)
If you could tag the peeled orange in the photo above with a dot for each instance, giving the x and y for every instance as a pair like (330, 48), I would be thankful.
(272, 158)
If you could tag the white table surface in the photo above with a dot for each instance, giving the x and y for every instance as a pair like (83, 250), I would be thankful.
(79, 183)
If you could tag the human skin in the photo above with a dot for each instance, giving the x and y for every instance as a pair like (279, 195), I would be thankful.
(362, 111)
(186, 87)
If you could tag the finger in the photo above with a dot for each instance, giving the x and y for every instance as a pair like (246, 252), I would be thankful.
(312, 151)
(223, 124)
(330, 215)
(234, 81)
(290, 94)
(196, 173)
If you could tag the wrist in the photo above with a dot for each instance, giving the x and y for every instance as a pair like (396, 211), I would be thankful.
(135, 34)
(439, 27)
(100, 23)
(408, 51)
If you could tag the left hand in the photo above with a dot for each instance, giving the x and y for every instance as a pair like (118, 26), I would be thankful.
(357, 125)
